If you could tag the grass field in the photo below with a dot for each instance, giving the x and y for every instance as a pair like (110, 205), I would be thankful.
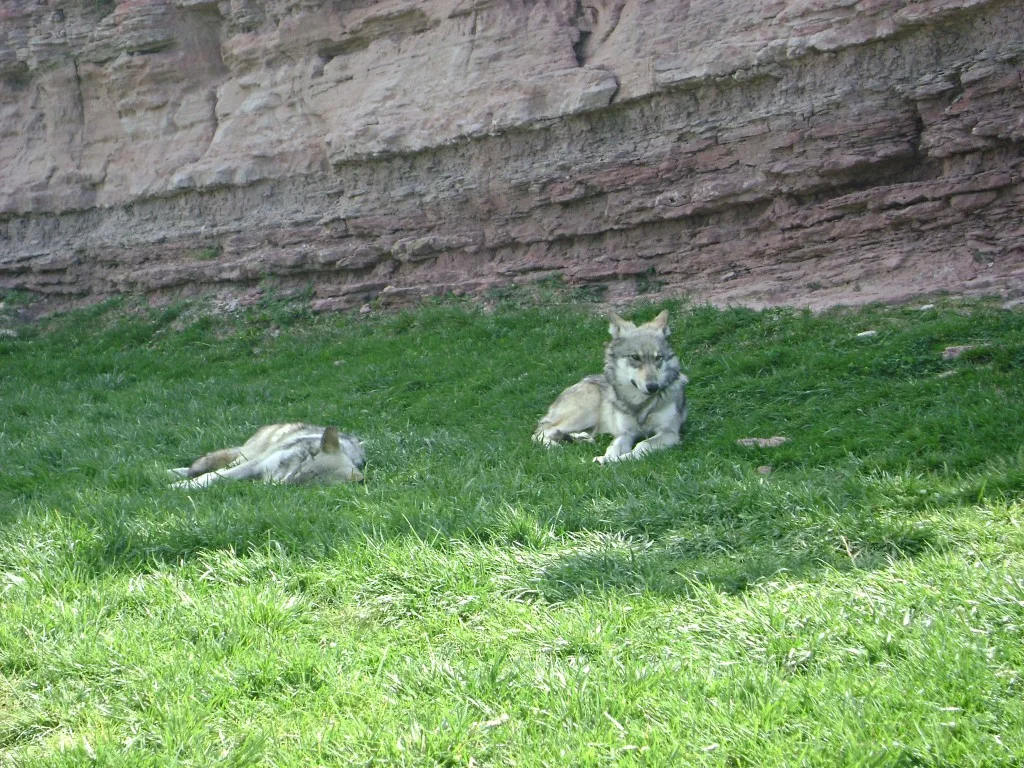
(483, 601)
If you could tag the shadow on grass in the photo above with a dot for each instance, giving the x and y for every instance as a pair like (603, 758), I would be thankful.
(627, 534)
(663, 526)
(449, 471)
(733, 531)
(674, 565)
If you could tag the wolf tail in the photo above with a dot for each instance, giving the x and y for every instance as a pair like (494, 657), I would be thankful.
(211, 462)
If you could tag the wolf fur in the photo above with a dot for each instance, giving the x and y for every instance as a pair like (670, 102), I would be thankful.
(640, 394)
(281, 453)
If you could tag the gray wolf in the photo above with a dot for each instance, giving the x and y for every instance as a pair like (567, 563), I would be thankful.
(281, 453)
(640, 394)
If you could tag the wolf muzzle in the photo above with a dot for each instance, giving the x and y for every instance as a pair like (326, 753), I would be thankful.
(650, 388)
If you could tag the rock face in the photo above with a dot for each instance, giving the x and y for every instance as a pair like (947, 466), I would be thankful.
(745, 151)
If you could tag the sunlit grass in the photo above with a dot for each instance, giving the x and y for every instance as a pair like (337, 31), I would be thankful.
(483, 601)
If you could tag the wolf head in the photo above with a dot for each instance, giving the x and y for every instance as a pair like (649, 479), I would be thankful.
(640, 356)
(339, 459)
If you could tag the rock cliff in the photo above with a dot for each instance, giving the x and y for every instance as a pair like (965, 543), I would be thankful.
(745, 151)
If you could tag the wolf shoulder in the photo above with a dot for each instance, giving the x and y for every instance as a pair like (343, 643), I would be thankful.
(671, 414)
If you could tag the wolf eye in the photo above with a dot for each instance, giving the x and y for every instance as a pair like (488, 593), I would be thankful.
(657, 359)
(635, 358)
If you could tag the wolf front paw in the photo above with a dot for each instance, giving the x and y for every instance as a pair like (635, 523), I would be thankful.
(549, 438)
(613, 458)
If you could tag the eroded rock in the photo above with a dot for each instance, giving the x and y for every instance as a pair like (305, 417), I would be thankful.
(761, 153)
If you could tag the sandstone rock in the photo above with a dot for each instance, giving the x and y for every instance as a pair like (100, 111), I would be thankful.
(782, 151)
(762, 442)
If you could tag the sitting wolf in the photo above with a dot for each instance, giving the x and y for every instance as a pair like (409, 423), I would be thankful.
(642, 393)
(281, 453)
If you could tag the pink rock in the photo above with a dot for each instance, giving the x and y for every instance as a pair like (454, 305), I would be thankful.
(733, 152)
(762, 442)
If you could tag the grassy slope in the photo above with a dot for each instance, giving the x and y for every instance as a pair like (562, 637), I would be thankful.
(483, 601)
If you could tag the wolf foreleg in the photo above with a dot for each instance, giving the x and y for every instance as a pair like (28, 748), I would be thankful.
(246, 471)
(655, 443)
(618, 450)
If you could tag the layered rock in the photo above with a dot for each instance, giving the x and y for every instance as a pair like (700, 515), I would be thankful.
(800, 151)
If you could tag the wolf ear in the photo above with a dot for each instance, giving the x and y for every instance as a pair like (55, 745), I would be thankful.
(619, 326)
(330, 443)
(660, 323)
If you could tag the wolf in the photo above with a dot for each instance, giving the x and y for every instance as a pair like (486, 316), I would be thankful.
(281, 453)
(640, 394)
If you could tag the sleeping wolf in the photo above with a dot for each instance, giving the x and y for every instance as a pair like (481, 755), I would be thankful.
(281, 453)
(641, 393)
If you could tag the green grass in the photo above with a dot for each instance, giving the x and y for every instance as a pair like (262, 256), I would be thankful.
(483, 601)
(208, 253)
